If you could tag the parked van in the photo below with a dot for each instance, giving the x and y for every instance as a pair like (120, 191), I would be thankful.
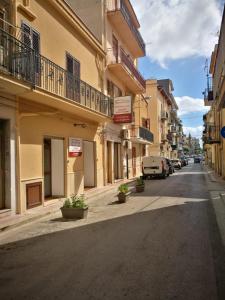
(155, 166)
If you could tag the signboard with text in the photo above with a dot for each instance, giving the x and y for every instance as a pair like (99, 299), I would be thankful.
(122, 110)
(75, 147)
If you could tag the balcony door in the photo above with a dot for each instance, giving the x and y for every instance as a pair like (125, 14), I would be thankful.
(73, 78)
(29, 60)
(115, 49)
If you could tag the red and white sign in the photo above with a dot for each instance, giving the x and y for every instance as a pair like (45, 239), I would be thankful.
(122, 110)
(75, 147)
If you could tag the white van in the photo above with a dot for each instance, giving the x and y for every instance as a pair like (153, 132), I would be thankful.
(155, 166)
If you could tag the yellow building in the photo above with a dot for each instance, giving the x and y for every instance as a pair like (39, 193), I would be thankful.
(53, 106)
(162, 111)
(214, 143)
(116, 26)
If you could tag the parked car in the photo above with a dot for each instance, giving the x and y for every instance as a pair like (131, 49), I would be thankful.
(171, 166)
(197, 160)
(155, 166)
(177, 163)
(183, 161)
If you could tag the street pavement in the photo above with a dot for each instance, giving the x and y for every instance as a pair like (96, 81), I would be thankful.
(162, 244)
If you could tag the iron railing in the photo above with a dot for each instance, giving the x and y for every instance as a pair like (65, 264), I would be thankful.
(208, 93)
(145, 134)
(123, 58)
(115, 5)
(23, 63)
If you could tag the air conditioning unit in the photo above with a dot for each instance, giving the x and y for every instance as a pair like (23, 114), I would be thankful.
(125, 134)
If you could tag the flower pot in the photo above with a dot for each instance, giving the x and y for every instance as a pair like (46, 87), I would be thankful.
(74, 213)
(122, 197)
(140, 188)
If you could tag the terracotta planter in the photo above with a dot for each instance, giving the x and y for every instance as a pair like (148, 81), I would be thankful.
(140, 188)
(74, 213)
(122, 198)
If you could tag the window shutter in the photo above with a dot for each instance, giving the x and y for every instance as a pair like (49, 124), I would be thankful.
(69, 64)
(36, 41)
(26, 34)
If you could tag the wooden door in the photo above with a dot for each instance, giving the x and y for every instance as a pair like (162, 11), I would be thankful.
(89, 164)
(47, 168)
(2, 166)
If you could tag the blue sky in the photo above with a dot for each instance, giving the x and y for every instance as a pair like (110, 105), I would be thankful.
(180, 35)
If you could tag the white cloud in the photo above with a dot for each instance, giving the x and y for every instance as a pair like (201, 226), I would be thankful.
(177, 29)
(194, 131)
(188, 105)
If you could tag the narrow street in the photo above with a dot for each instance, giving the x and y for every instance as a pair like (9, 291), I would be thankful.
(161, 244)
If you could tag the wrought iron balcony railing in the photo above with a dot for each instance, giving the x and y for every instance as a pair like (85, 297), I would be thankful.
(115, 5)
(23, 63)
(124, 59)
(208, 93)
(146, 134)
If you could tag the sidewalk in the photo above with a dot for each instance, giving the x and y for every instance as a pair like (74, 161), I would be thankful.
(216, 188)
(12, 221)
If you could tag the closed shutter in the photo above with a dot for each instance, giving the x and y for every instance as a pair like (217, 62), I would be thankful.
(73, 78)
(26, 34)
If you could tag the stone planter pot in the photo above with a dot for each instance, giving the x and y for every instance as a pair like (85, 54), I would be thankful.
(74, 213)
(122, 198)
(140, 188)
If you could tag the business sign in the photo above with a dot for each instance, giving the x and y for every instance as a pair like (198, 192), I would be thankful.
(122, 110)
(222, 132)
(75, 147)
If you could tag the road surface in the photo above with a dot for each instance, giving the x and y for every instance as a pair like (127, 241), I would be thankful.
(162, 244)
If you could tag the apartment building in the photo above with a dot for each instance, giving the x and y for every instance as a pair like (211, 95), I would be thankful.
(163, 118)
(214, 120)
(116, 26)
(53, 106)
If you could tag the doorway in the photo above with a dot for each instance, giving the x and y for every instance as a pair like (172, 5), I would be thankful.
(117, 161)
(109, 162)
(89, 164)
(2, 164)
(53, 168)
(134, 161)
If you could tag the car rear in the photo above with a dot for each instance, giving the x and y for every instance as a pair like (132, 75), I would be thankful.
(155, 166)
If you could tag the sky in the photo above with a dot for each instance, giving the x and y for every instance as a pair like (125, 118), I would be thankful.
(180, 36)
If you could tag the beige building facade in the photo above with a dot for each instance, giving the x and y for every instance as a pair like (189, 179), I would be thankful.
(163, 118)
(54, 106)
(58, 80)
(115, 24)
(214, 120)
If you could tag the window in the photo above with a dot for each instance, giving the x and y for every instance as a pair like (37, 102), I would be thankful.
(31, 38)
(73, 78)
(113, 90)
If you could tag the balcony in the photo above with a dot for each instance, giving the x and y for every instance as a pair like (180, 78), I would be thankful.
(124, 69)
(164, 115)
(164, 137)
(211, 134)
(21, 63)
(208, 93)
(125, 23)
(141, 135)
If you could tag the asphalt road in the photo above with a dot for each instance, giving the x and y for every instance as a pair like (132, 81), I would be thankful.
(162, 244)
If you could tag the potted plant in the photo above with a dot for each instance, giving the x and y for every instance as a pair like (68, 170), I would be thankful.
(123, 193)
(140, 185)
(74, 207)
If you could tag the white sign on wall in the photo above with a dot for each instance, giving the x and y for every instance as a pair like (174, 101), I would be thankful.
(75, 147)
(122, 110)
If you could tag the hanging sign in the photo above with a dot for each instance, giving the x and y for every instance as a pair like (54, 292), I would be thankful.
(122, 110)
(222, 132)
(75, 147)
